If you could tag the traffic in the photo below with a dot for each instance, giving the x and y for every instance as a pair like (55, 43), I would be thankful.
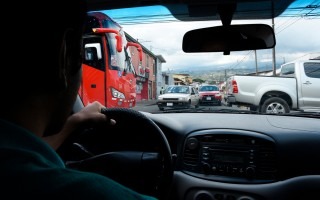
(119, 71)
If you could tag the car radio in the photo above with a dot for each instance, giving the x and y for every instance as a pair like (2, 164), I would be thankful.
(227, 160)
(230, 155)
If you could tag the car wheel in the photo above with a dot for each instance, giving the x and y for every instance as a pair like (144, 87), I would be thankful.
(275, 105)
(161, 108)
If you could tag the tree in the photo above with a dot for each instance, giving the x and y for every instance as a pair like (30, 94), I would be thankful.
(199, 80)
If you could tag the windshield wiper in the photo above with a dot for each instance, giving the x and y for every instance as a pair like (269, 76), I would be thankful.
(302, 114)
(184, 110)
(239, 111)
(209, 110)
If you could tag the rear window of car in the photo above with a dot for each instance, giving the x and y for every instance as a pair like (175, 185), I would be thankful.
(209, 88)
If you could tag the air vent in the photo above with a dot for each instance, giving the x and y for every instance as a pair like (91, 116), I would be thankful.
(191, 157)
(266, 162)
(191, 152)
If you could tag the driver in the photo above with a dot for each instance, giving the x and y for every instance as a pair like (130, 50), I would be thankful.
(37, 96)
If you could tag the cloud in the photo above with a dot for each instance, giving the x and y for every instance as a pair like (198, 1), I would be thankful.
(302, 36)
(295, 38)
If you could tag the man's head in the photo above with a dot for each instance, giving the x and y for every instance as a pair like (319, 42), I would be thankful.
(39, 38)
(42, 42)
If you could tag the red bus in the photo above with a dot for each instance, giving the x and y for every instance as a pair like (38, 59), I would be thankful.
(108, 75)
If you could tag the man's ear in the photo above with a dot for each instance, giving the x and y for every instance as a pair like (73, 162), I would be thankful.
(66, 59)
(63, 60)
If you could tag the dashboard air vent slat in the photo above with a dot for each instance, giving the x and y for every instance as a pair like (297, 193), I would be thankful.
(267, 161)
(191, 157)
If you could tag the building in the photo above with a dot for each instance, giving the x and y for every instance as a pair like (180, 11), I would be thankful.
(148, 70)
(159, 74)
(167, 79)
(182, 79)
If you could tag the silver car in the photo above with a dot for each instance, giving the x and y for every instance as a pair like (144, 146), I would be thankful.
(179, 96)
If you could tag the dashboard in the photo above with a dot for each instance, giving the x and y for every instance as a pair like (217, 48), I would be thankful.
(221, 156)
(242, 156)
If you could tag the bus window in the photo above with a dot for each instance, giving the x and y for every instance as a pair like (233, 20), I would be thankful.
(93, 53)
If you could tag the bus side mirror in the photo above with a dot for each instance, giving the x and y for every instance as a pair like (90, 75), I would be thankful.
(110, 30)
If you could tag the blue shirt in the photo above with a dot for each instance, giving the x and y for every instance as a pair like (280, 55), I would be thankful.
(31, 169)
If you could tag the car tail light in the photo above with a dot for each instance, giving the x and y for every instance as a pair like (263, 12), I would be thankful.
(217, 96)
(234, 86)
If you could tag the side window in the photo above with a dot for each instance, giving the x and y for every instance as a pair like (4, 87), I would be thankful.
(93, 53)
(128, 62)
(312, 70)
(193, 91)
(287, 70)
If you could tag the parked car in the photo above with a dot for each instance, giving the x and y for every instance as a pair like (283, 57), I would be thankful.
(179, 96)
(210, 95)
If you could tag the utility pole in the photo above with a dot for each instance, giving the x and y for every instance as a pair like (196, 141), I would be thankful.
(255, 56)
(225, 75)
(273, 49)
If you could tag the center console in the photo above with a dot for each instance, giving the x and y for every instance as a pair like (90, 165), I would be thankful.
(230, 156)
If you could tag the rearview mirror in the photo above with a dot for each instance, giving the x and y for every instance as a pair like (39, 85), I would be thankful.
(229, 38)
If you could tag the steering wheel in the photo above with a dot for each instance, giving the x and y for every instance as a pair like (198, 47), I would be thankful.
(134, 152)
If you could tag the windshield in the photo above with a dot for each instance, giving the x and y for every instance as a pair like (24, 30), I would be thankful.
(279, 80)
(178, 89)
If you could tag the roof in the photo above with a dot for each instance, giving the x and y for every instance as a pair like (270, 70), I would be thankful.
(160, 57)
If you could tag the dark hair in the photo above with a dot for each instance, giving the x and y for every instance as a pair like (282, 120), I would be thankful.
(32, 38)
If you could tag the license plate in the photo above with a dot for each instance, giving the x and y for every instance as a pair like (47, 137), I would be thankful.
(169, 104)
(208, 98)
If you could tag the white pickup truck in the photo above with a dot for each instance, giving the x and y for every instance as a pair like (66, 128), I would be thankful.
(296, 88)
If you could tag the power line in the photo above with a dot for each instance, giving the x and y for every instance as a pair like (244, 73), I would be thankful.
(238, 63)
(301, 16)
(288, 26)
(300, 8)
(167, 18)
(307, 14)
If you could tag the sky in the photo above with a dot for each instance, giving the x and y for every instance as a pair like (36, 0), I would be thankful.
(297, 34)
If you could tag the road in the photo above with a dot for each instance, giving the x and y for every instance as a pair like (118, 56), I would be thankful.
(150, 106)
